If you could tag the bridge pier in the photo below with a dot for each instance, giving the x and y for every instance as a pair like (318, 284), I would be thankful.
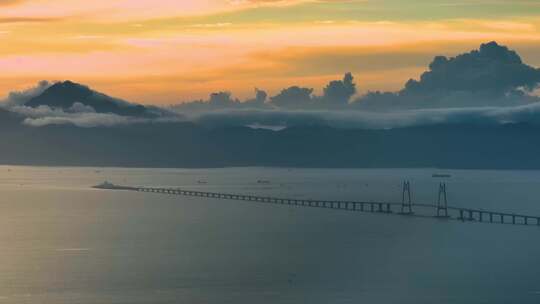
(442, 202)
(406, 202)
(471, 217)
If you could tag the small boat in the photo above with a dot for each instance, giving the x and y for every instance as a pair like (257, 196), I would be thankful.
(263, 182)
(110, 186)
(202, 182)
(439, 175)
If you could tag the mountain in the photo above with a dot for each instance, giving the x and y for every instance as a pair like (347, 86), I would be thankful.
(186, 144)
(66, 94)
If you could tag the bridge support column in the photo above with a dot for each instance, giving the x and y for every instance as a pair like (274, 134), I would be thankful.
(442, 202)
(513, 219)
(406, 202)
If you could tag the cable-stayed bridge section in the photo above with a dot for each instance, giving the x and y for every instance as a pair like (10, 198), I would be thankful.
(406, 207)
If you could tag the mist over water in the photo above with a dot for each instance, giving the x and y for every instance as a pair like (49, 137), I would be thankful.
(63, 242)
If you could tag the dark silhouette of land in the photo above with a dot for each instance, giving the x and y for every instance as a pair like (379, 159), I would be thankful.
(65, 94)
(186, 144)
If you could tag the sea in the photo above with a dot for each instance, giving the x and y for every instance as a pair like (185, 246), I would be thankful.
(62, 241)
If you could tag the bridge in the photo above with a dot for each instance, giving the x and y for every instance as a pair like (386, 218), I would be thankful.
(406, 207)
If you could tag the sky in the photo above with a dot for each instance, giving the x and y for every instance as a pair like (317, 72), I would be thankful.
(171, 51)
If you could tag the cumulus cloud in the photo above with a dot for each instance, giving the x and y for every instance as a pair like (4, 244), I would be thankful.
(339, 92)
(259, 99)
(293, 97)
(493, 68)
(493, 75)
(20, 97)
(221, 101)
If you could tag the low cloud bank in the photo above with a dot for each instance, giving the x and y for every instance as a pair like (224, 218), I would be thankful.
(373, 120)
(79, 115)
(84, 116)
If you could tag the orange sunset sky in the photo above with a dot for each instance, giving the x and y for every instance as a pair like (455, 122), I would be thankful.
(165, 51)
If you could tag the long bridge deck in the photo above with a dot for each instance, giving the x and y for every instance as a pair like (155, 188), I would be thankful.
(405, 208)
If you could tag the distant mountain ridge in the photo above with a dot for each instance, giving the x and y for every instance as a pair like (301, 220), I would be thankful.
(189, 145)
(65, 94)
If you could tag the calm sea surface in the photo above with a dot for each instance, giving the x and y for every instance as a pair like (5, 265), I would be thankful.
(63, 242)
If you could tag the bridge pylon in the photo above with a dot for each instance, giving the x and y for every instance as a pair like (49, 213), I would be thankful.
(442, 202)
(406, 201)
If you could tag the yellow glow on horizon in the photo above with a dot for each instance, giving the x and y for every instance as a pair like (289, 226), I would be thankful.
(183, 50)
